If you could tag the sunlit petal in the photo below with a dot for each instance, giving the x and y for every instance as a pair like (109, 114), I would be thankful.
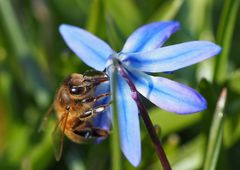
(167, 94)
(171, 58)
(150, 36)
(128, 122)
(92, 50)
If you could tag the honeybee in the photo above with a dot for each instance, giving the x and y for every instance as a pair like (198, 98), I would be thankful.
(75, 108)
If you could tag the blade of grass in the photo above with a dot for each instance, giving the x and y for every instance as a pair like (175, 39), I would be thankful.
(200, 19)
(223, 20)
(225, 35)
(112, 34)
(216, 133)
(167, 11)
(94, 19)
(125, 21)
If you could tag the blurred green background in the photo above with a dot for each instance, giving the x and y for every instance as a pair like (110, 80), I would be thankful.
(34, 60)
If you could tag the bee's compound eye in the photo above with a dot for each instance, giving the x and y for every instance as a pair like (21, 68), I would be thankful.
(77, 90)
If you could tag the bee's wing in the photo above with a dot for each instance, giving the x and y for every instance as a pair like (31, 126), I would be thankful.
(45, 119)
(58, 136)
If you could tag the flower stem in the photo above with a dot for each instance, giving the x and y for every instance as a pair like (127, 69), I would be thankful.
(150, 128)
(115, 144)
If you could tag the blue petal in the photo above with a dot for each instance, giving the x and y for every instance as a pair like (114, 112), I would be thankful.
(92, 50)
(171, 58)
(167, 94)
(128, 122)
(150, 36)
(104, 119)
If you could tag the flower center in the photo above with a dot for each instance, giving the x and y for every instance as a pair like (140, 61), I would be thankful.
(113, 62)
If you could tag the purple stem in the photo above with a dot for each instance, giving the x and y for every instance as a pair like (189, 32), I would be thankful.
(150, 128)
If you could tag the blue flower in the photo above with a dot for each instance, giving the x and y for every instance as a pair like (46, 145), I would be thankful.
(143, 53)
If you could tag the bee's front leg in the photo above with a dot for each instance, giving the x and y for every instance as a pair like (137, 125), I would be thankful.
(96, 77)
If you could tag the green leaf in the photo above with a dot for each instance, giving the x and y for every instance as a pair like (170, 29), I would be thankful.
(216, 133)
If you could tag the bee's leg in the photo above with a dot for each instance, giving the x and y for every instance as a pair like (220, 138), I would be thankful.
(89, 132)
(99, 132)
(93, 112)
(93, 99)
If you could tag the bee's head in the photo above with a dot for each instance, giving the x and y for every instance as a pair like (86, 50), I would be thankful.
(78, 85)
